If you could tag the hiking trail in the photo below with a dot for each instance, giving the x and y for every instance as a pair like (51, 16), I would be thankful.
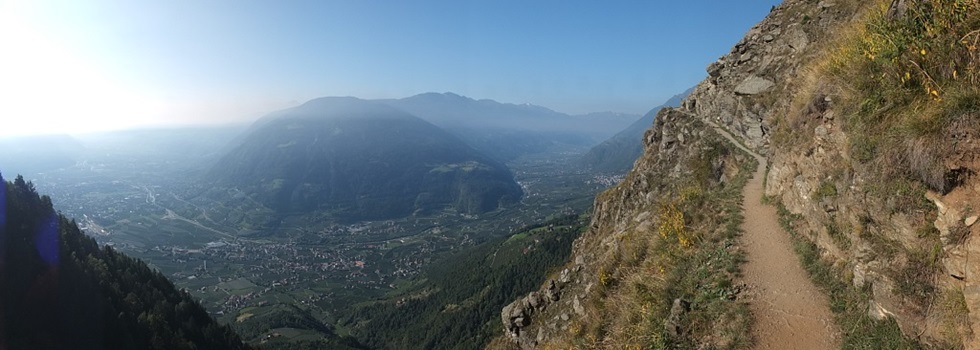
(789, 311)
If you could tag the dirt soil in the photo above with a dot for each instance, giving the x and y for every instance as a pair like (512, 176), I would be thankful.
(789, 311)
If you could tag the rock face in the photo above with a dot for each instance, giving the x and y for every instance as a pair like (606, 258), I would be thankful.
(877, 242)
(753, 85)
(898, 8)
(672, 323)
(561, 305)
(617, 154)
(877, 238)
(517, 315)
(741, 88)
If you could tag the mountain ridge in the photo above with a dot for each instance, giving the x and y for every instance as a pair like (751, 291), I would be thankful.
(617, 153)
(506, 130)
(362, 160)
(872, 172)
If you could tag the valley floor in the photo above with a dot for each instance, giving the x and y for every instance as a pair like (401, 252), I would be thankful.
(790, 312)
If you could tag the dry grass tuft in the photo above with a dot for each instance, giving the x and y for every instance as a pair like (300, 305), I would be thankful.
(906, 92)
(682, 253)
(955, 316)
(898, 85)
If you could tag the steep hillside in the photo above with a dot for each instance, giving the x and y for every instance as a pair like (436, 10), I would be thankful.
(456, 304)
(617, 154)
(59, 290)
(355, 160)
(665, 236)
(876, 158)
(867, 112)
(506, 131)
(870, 129)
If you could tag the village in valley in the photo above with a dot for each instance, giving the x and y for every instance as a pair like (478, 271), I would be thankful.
(167, 222)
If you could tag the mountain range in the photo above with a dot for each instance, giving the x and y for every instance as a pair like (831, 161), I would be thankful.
(506, 131)
(850, 124)
(617, 154)
(361, 160)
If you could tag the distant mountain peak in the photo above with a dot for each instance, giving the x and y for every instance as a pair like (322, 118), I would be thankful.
(617, 154)
(362, 160)
(507, 130)
(331, 99)
(442, 96)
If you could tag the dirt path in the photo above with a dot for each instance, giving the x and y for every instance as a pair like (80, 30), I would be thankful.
(790, 312)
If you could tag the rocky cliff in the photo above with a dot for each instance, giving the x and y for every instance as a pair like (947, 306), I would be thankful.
(875, 156)
(616, 154)
(746, 89)
(660, 246)
(868, 114)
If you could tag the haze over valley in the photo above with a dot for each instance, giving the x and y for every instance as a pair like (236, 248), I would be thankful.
(316, 208)
(489, 175)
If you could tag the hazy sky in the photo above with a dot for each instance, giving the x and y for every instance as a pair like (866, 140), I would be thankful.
(82, 65)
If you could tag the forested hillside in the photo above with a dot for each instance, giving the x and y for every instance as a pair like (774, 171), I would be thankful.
(867, 115)
(60, 290)
(457, 305)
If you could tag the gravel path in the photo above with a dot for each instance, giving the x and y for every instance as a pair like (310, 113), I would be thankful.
(789, 311)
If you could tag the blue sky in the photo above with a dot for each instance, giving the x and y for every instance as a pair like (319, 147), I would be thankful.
(132, 63)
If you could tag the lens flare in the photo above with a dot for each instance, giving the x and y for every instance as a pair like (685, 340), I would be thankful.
(46, 240)
(3, 203)
(3, 217)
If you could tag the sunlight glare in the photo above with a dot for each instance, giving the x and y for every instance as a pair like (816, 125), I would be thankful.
(46, 89)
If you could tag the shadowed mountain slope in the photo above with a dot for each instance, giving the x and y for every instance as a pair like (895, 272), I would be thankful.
(60, 290)
(359, 160)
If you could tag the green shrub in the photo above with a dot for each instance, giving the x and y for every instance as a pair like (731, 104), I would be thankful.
(827, 189)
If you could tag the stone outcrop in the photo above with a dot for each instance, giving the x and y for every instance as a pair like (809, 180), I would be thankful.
(736, 95)
(753, 85)
(872, 238)
(746, 86)
(670, 146)
(879, 242)
(518, 315)
(672, 323)
(898, 8)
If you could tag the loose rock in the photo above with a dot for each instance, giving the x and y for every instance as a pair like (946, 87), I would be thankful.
(971, 220)
(714, 69)
(673, 322)
(753, 85)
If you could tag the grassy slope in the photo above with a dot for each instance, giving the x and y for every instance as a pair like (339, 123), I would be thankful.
(901, 89)
(688, 252)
